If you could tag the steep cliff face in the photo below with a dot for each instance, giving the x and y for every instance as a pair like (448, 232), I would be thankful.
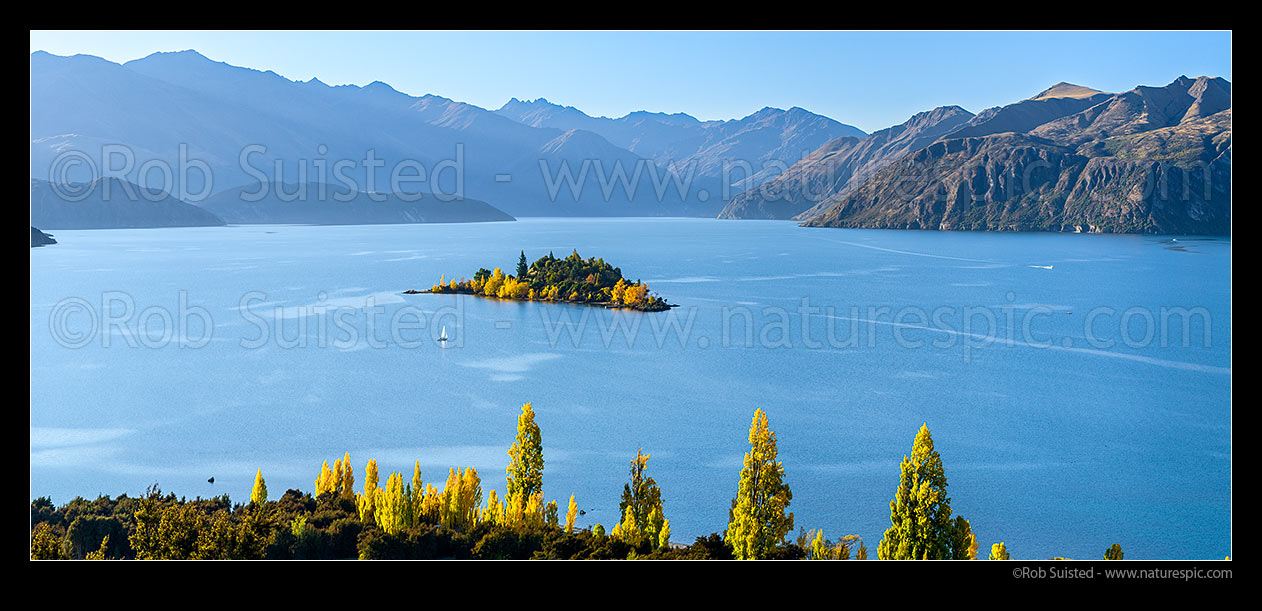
(1006, 182)
(1148, 160)
(842, 162)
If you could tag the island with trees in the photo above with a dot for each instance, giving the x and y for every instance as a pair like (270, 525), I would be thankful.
(573, 279)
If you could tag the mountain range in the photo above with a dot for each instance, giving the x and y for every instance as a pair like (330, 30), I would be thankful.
(841, 162)
(243, 126)
(1148, 160)
(768, 141)
(1069, 158)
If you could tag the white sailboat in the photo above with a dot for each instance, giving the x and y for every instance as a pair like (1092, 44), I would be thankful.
(443, 337)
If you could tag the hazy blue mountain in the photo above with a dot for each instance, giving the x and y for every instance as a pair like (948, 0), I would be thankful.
(111, 203)
(323, 204)
(769, 140)
(1149, 160)
(168, 102)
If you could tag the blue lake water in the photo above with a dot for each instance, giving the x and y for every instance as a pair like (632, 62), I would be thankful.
(1067, 417)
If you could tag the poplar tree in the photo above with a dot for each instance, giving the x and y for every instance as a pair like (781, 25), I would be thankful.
(525, 466)
(1113, 553)
(570, 515)
(921, 527)
(820, 549)
(494, 512)
(963, 543)
(324, 482)
(999, 551)
(348, 478)
(367, 502)
(392, 511)
(259, 494)
(628, 530)
(642, 497)
(336, 479)
(758, 522)
(418, 492)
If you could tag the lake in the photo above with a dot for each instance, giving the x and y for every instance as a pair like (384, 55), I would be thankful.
(1078, 387)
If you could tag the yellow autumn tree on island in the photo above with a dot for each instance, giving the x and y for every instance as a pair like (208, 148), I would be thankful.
(573, 279)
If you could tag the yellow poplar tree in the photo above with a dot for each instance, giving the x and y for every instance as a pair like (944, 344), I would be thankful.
(570, 515)
(367, 502)
(643, 497)
(348, 478)
(259, 494)
(418, 491)
(819, 549)
(470, 492)
(431, 502)
(758, 521)
(999, 551)
(921, 527)
(525, 466)
(628, 530)
(494, 512)
(324, 482)
(461, 498)
(392, 512)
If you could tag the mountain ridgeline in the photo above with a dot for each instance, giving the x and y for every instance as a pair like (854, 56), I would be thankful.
(745, 151)
(1070, 158)
(111, 203)
(245, 127)
(324, 204)
(841, 162)
(1149, 160)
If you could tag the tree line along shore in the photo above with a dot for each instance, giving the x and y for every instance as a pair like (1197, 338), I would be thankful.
(414, 519)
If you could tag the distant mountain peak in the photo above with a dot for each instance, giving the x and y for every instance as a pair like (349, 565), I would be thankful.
(1066, 90)
(379, 86)
(535, 103)
(187, 55)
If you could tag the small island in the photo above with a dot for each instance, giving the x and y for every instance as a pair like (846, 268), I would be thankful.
(569, 280)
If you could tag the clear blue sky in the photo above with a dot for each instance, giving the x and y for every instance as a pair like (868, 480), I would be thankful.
(868, 79)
